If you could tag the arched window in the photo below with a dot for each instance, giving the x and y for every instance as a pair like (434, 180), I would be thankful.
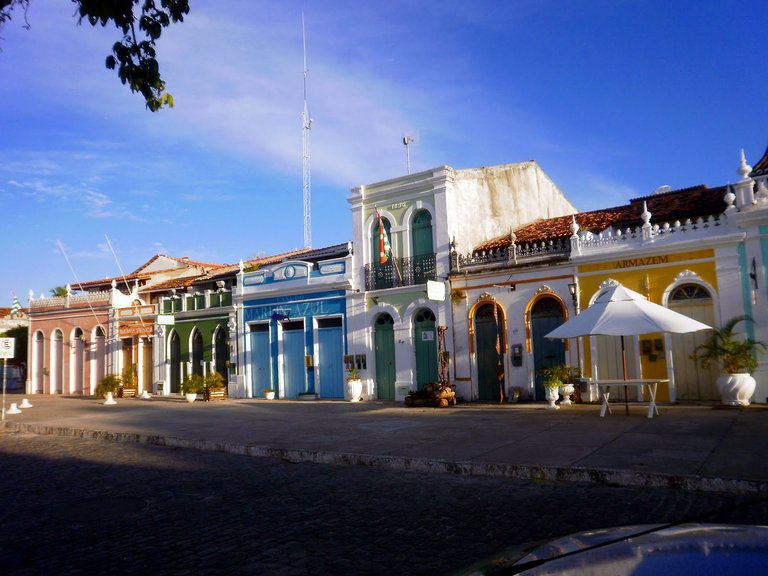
(689, 292)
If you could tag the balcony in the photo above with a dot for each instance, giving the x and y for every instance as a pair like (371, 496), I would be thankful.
(400, 272)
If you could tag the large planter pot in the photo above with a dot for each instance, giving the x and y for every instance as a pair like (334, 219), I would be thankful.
(269, 395)
(354, 389)
(736, 389)
(566, 390)
(190, 396)
(551, 393)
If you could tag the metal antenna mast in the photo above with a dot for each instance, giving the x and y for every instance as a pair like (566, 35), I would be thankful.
(407, 141)
(306, 127)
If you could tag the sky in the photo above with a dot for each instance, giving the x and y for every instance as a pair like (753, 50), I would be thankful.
(612, 98)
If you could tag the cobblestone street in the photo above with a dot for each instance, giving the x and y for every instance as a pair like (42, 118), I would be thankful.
(75, 506)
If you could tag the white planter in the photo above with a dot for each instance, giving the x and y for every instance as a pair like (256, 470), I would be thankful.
(551, 393)
(566, 390)
(269, 395)
(190, 396)
(736, 389)
(354, 390)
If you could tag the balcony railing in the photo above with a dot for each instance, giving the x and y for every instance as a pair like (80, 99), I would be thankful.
(400, 272)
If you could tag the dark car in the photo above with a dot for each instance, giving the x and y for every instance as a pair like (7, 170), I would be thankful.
(640, 550)
(14, 378)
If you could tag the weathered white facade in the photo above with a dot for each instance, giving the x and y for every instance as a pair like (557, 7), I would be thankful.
(392, 321)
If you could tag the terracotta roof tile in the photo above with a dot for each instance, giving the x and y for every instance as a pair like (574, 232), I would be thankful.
(693, 202)
(761, 168)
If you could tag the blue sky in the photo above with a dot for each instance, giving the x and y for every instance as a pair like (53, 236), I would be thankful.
(613, 98)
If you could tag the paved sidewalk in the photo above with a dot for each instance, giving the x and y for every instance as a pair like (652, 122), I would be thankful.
(704, 448)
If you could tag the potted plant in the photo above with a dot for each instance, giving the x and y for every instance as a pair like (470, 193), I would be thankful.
(127, 382)
(192, 385)
(569, 376)
(552, 379)
(737, 359)
(269, 394)
(214, 386)
(107, 387)
(354, 384)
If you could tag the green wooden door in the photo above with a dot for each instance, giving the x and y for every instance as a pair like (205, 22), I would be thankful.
(489, 340)
(423, 251)
(546, 315)
(384, 347)
(175, 355)
(221, 347)
(197, 352)
(426, 348)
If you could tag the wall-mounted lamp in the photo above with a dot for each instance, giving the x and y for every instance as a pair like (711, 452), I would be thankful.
(573, 290)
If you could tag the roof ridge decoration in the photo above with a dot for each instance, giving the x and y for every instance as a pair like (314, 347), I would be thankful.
(761, 168)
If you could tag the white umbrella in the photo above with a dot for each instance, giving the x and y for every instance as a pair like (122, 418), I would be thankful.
(620, 311)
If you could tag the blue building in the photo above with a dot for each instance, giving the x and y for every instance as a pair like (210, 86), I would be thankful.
(291, 326)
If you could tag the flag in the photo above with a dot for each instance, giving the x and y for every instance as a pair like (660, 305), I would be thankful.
(15, 307)
(385, 251)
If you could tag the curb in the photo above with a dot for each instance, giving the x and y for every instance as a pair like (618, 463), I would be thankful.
(607, 477)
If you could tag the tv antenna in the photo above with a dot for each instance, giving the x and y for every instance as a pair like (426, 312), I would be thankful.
(306, 126)
(407, 141)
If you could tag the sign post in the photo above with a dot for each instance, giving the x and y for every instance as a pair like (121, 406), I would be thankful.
(6, 351)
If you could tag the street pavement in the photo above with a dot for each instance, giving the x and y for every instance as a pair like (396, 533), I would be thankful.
(696, 447)
(272, 487)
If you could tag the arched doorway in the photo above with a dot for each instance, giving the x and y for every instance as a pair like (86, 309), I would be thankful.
(174, 353)
(77, 364)
(197, 352)
(490, 346)
(692, 382)
(546, 314)
(384, 349)
(38, 363)
(57, 362)
(425, 347)
(423, 251)
(383, 273)
(97, 358)
(221, 351)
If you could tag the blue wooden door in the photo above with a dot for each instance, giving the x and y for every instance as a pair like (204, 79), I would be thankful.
(546, 315)
(260, 379)
(294, 370)
(330, 365)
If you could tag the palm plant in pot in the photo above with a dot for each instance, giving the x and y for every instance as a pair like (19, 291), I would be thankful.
(354, 384)
(737, 359)
(192, 385)
(108, 387)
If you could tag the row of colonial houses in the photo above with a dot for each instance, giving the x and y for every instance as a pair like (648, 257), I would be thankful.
(483, 263)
